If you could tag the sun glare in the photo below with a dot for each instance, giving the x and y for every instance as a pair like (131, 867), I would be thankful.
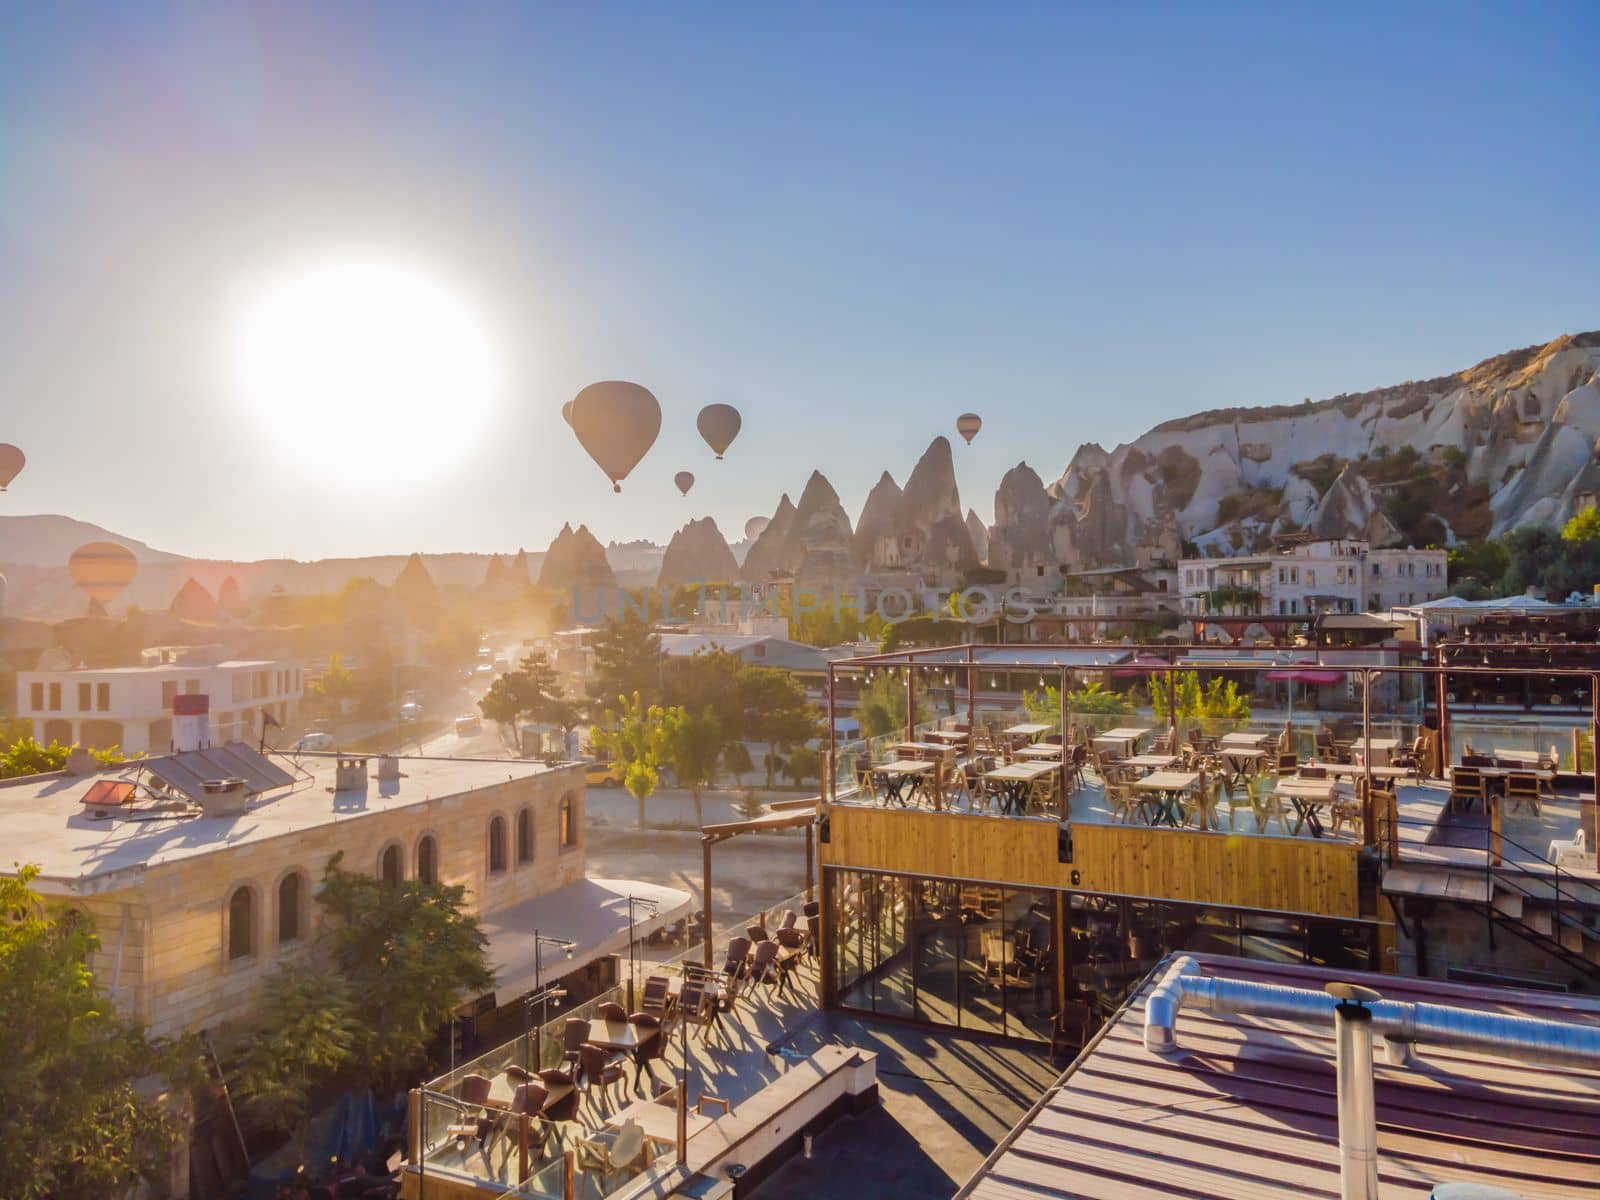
(363, 369)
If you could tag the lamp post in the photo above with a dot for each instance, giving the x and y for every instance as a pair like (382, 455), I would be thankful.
(541, 995)
(651, 908)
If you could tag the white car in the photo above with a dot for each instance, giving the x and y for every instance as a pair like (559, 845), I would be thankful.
(410, 711)
(314, 741)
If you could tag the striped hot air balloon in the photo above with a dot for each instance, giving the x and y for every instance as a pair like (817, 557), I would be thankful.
(968, 424)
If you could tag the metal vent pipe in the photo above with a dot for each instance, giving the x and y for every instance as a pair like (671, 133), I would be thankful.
(1401, 1023)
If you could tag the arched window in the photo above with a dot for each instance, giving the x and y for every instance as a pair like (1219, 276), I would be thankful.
(497, 844)
(427, 859)
(569, 825)
(241, 924)
(390, 869)
(291, 907)
(524, 836)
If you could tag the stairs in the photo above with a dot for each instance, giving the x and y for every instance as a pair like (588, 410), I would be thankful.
(1539, 912)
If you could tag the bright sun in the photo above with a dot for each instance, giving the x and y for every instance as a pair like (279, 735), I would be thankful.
(364, 369)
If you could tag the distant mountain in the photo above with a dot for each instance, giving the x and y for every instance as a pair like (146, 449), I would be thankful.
(48, 540)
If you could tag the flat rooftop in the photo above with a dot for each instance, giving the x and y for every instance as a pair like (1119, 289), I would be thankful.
(1246, 1106)
(170, 668)
(46, 823)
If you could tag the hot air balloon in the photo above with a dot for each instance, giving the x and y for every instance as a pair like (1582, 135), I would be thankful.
(719, 425)
(102, 569)
(755, 527)
(11, 460)
(566, 412)
(616, 423)
(684, 480)
(968, 424)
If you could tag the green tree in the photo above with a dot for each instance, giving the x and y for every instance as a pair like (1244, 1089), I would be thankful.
(307, 1036)
(410, 953)
(1218, 700)
(1043, 706)
(1095, 697)
(709, 681)
(804, 763)
(28, 757)
(627, 660)
(693, 746)
(925, 631)
(776, 710)
(533, 691)
(881, 707)
(636, 738)
(1583, 528)
(736, 761)
(73, 1121)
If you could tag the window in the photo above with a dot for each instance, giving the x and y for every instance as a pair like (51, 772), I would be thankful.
(36, 697)
(1283, 575)
(569, 825)
(389, 866)
(497, 845)
(55, 697)
(524, 836)
(291, 907)
(102, 697)
(1530, 408)
(1311, 581)
(427, 859)
(241, 924)
(1377, 569)
(169, 689)
(85, 696)
(191, 687)
(1294, 574)
(239, 687)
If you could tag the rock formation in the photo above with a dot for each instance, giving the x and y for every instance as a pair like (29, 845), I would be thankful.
(194, 603)
(502, 576)
(228, 594)
(1021, 535)
(769, 550)
(697, 553)
(820, 540)
(877, 518)
(576, 559)
(414, 588)
(979, 533)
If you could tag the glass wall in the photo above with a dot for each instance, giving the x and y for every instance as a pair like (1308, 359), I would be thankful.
(969, 956)
(980, 957)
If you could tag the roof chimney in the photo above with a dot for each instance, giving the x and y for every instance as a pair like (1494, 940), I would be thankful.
(350, 775)
(222, 797)
(191, 722)
(388, 767)
(1358, 1111)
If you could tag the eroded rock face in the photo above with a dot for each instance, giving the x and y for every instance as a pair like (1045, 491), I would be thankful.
(414, 587)
(821, 546)
(930, 493)
(698, 553)
(576, 559)
(1021, 535)
(770, 550)
(194, 603)
(979, 533)
(1521, 426)
(877, 521)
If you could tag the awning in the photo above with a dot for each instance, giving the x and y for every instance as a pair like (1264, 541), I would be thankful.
(592, 913)
(1145, 664)
(1307, 675)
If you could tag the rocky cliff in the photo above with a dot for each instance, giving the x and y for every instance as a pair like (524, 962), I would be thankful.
(575, 559)
(1481, 451)
(697, 553)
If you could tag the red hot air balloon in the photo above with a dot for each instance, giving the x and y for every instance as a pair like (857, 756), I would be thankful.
(11, 461)
(102, 569)
(684, 480)
(968, 424)
(755, 527)
(719, 425)
(617, 423)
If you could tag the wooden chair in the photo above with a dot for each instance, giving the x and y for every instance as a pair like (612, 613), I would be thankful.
(610, 1010)
(1345, 810)
(1071, 1027)
(657, 998)
(649, 1049)
(1466, 785)
(601, 1070)
(1415, 759)
(1265, 801)
(1240, 795)
(1123, 800)
(574, 1035)
(1522, 788)
(1286, 764)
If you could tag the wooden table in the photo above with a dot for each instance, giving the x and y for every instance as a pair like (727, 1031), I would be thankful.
(1379, 748)
(502, 1091)
(1530, 758)
(1028, 729)
(1149, 762)
(917, 749)
(658, 1121)
(1124, 739)
(947, 737)
(1041, 752)
(1168, 787)
(1246, 741)
(897, 774)
(1016, 780)
(1357, 771)
(1307, 796)
(619, 1035)
(1240, 759)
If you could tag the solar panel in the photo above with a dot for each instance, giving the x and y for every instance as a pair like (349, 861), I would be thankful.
(109, 793)
(189, 771)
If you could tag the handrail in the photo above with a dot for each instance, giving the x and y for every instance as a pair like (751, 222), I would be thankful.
(1498, 874)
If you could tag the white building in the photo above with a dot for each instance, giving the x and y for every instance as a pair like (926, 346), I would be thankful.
(1342, 575)
(131, 707)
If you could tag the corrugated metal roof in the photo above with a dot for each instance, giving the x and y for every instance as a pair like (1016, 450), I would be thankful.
(1247, 1108)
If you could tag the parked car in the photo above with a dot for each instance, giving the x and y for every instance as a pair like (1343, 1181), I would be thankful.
(410, 711)
(469, 725)
(602, 773)
(314, 741)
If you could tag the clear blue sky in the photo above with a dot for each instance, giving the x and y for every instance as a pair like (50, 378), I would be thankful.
(854, 222)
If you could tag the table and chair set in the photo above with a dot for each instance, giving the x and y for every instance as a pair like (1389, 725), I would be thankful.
(1013, 771)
